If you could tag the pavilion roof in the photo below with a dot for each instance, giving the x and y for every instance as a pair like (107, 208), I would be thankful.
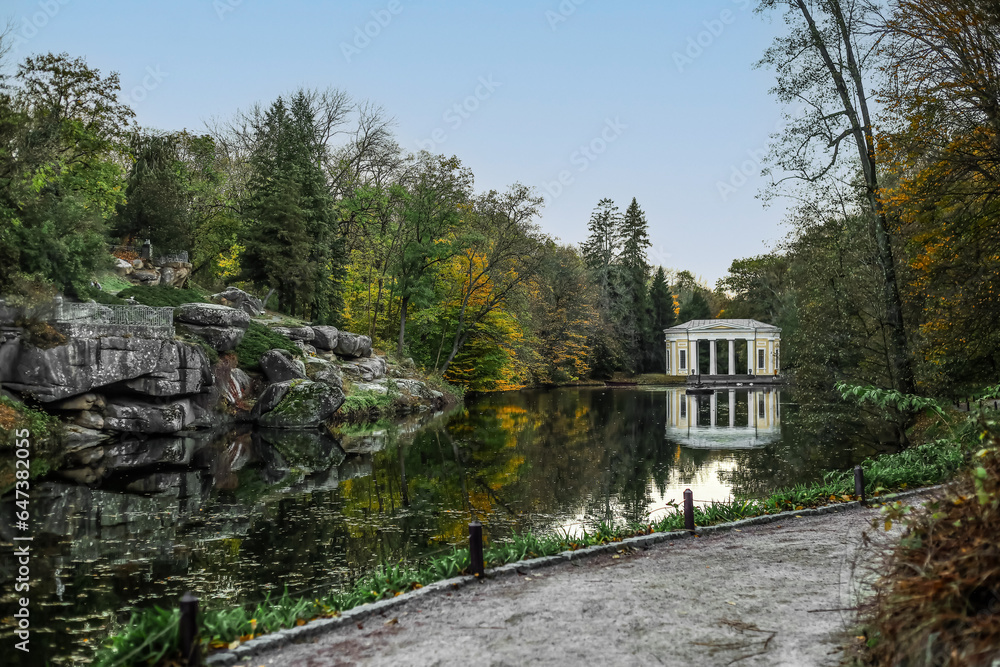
(721, 325)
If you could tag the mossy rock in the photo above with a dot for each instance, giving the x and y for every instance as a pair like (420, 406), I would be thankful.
(305, 404)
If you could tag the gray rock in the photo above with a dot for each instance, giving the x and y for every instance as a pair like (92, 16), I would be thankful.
(305, 347)
(222, 339)
(83, 364)
(237, 298)
(330, 376)
(304, 334)
(88, 419)
(269, 400)
(146, 276)
(306, 403)
(353, 345)
(325, 338)
(211, 314)
(278, 367)
(137, 416)
(182, 369)
(78, 437)
(81, 402)
(365, 370)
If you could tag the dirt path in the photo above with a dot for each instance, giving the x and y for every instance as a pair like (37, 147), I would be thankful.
(757, 597)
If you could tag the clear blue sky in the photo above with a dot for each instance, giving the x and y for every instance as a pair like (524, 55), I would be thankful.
(664, 118)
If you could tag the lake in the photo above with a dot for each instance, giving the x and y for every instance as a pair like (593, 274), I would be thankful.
(236, 515)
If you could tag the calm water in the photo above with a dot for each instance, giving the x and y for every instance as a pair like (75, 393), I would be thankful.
(241, 514)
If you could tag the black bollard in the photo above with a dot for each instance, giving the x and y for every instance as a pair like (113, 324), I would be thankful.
(859, 483)
(476, 567)
(190, 647)
(688, 510)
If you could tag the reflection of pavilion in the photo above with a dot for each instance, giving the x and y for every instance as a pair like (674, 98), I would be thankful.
(725, 419)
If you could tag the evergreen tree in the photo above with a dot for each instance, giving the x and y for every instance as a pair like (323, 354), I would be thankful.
(696, 308)
(662, 317)
(293, 244)
(634, 315)
(600, 253)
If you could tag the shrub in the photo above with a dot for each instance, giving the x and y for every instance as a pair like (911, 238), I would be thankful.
(258, 340)
(161, 295)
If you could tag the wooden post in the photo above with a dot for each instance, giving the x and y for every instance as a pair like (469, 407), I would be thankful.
(477, 567)
(190, 646)
(859, 483)
(688, 510)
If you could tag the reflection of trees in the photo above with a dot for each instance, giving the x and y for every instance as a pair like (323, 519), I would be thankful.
(816, 436)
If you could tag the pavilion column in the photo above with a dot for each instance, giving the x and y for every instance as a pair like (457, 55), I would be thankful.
(711, 356)
(732, 356)
(713, 404)
(751, 362)
(751, 407)
(693, 364)
(732, 402)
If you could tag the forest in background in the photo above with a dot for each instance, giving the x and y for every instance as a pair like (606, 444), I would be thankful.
(888, 277)
(310, 203)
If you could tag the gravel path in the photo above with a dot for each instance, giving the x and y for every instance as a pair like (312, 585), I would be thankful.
(767, 595)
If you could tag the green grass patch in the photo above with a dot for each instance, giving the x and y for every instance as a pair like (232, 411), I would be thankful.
(365, 405)
(258, 340)
(660, 379)
(161, 295)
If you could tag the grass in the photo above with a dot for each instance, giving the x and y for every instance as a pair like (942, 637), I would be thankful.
(661, 379)
(366, 405)
(161, 295)
(258, 340)
(927, 464)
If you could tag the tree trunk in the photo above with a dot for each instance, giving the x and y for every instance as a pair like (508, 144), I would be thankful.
(402, 326)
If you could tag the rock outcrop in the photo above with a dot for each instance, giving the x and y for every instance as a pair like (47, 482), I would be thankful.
(222, 327)
(353, 345)
(325, 338)
(237, 298)
(365, 370)
(151, 366)
(278, 366)
(297, 404)
(138, 416)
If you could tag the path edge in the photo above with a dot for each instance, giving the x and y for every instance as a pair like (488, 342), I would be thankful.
(275, 640)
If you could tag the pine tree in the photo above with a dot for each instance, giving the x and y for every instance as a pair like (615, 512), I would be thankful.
(600, 253)
(634, 311)
(662, 317)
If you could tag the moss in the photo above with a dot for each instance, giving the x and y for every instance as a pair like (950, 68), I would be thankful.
(258, 340)
(41, 334)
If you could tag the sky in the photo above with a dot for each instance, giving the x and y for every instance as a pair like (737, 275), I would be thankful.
(582, 99)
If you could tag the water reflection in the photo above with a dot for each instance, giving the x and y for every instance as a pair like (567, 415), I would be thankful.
(730, 418)
(238, 515)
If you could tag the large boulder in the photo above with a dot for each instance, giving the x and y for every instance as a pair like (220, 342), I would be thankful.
(80, 365)
(221, 327)
(211, 314)
(304, 403)
(325, 338)
(353, 345)
(237, 298)
(279, 367)
(237, 386)
(138, 416)
(365, 370)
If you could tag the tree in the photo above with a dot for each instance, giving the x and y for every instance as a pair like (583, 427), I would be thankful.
(663, 316)
(822, 64)
(634, 311)
(61, 125)
(696, 308)
(499, 255)
(758, 288)
(437, 198)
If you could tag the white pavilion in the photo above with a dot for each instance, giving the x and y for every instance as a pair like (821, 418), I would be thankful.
(761, 341)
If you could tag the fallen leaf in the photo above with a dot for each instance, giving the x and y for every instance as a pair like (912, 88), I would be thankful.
(234, 644)
(732, 603)
(300, 622)
(616, 556)
(888, 524)
(391, 621)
